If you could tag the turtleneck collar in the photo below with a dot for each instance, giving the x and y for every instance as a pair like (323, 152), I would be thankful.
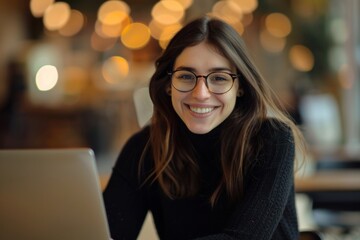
(197, 140)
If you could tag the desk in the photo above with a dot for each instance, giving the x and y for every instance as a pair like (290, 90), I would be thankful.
(335, 180)
(337, 190)
(329, 180)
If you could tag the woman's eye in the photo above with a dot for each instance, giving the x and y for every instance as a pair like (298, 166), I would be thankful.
(219, 78)
(186, 77)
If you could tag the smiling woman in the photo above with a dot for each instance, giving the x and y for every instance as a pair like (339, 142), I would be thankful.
(198, 108)
(212, 164)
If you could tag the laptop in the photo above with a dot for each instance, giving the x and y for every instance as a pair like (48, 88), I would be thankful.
(51, 194)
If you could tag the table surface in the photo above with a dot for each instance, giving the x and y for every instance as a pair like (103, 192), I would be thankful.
(329, 180)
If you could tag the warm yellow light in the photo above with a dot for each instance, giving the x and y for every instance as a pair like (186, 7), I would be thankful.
(113, 12)
(168, 12)
(271, 43)
(163, 43)
(135, 35)
(278, 24)
(239, 27)
(38, 7)
(156, 28)
(56, 16)
(168, 33)
(111, 31)
(46, 78)
(115, 18)
(115, 69)
(228, 11)
(101, 44)
(247, 6)
(185, 3)
(247, 19)
(74, 25)
(301, 58)
(75, 80)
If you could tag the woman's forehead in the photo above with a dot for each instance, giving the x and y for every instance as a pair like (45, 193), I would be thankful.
(202, 55)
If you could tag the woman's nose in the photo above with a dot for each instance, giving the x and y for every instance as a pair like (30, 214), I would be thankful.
(201, 91)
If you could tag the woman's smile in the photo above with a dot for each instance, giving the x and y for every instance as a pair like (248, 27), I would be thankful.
(201, 110)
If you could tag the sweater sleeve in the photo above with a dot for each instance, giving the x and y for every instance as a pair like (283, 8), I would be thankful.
(269, 194)
(124, 197)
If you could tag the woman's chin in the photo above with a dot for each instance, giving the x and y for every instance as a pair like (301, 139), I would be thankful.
(196, 129)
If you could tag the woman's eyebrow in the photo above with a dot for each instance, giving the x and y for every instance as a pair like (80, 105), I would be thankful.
(186, 68)
(215, 69)
(220, 69)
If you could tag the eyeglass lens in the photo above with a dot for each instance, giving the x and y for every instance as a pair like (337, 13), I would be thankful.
(217, 82)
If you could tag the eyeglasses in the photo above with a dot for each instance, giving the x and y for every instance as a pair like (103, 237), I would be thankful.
(216, 82)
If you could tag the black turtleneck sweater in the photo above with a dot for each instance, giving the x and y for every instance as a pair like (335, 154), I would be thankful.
(267, 210)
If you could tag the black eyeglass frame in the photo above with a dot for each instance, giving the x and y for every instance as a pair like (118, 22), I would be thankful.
(232, 75)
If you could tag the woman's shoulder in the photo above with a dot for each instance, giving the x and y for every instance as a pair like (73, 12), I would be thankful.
(276, 131)
(275, 144)
(135, 145)
(139, 138)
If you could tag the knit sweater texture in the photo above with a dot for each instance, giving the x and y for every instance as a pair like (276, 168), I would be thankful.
(267, 210)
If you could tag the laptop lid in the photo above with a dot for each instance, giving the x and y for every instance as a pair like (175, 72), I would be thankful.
(51, 194)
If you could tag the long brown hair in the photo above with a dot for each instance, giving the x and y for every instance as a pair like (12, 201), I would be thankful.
(175, 166)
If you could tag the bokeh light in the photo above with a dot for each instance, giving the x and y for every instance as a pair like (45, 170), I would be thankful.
(56, 16)
(185, 3)
(247, 6)
(135, 35)
(74, 25)
(168, 12)
(167, 34)
(270, 43)
(229, 11)
(247, 19)
(46, 77)
(278, 24)
(113, 12)
(113, 30)
(75, 80)
(239, 27)
(301, 58)
(101, 44)
(38, 7)
(115, 69)
(156, 28)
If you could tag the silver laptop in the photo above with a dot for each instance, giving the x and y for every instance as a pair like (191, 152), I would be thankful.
(51, 194)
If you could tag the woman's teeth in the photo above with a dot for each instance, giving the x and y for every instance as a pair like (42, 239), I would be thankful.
(201, 110)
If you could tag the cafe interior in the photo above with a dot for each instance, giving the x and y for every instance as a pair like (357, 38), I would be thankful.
(75, 74)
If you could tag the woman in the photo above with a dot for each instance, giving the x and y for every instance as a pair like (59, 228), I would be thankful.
(212, 164)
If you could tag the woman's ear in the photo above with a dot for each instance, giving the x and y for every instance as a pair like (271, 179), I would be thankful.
(168, 90)
(240, 92)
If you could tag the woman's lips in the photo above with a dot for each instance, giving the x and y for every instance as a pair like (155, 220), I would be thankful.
(201, 110)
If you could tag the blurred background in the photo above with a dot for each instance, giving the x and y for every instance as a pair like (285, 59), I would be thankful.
(74, 73)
